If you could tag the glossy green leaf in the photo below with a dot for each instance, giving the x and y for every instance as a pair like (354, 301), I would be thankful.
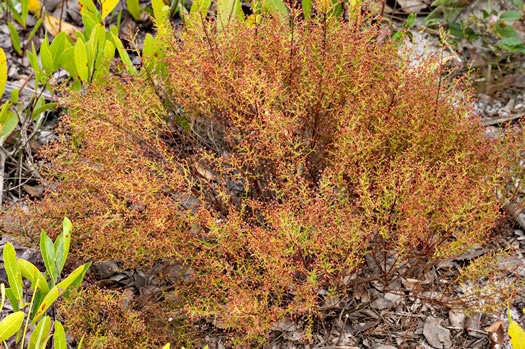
(40, 333)
(31, 273)
(62, 244)
(57, 291)
(67, 61)
(48, 255)
(134, 8)
(12, 299)
(81, 60)
(14, 276)
(307, 8)
(46, 57)
(59, 337)
(3, 71)
(510, 16)
(15, 38)
(10, 325)
(57, 47)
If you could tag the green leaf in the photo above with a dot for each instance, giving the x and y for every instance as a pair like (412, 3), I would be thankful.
(134, 8)
(40, 333)
(109, 51)
(14, 95)
(411, 20)
(35, 29)
(57, 47)
(62, 244)
(123, 54)
(46, 57)
(24, 12)
(510, 16)
(228, 9)
(512, 44)
(81, 60)
(11, 324)
(67, 61)
(307, 8)
(3, 71)
(275, 6)
(2, 292)
(8, 122)
(12, 299)
(42, 109)
(31, 273)
(59, 337)
(15, 38)
(48, 255)
(505, 30)
(58, 290)
(518, 3)
(90, 16)
(167, 346)
(13, 272)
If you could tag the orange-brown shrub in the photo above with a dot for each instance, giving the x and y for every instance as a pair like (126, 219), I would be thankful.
(106, 322)
(298, 150)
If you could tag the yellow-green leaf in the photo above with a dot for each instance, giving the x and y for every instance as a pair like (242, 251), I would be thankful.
(107, 7)
(13, 271)
(517, 335)
(167, 346)
(59, 337)
(2, 291)
(30, 272)
(3, 71)
(39, 335)
(81, 60)
(10, 325)
(57, 291)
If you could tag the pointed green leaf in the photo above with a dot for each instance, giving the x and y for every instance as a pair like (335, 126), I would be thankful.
(15, 38)
(48, 255)
(46, 56)
(57, 47)
(13, 272)
(10, 325)
(40, 333)
(59, 337)
(227, 10)
(31, 273)
(62, 244)
(12, 299)
(81, 60)
(134, 8)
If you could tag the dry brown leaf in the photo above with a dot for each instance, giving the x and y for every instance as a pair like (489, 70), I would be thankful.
(496, 333)
(52, 25)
